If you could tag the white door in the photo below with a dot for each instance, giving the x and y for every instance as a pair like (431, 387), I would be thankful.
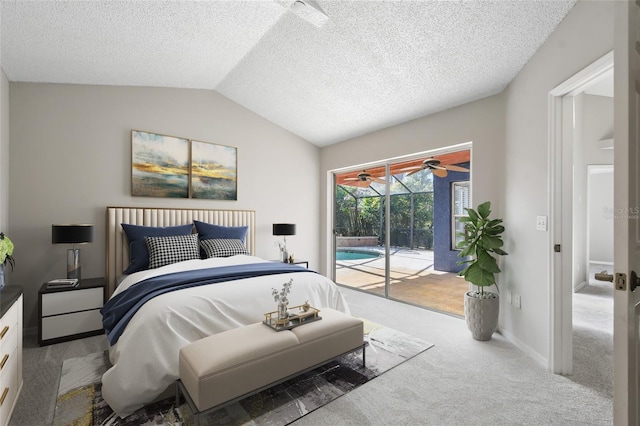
(626, 211)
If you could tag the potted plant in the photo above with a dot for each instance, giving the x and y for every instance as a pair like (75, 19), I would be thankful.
(481, 243)
(6, 251)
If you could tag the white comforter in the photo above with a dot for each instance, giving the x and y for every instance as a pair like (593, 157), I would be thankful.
(145, 358)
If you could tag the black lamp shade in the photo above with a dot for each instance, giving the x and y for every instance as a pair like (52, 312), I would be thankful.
(71, 234)
(284, 229)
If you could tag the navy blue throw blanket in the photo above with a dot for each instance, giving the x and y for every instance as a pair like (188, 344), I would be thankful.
(119, 310)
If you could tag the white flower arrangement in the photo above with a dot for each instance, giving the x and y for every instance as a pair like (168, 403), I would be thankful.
(281, 296)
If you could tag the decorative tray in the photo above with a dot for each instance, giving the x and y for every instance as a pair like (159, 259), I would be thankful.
(297, 316)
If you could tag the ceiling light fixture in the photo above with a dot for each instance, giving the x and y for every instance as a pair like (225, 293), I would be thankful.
(310, 12)
(298, 5)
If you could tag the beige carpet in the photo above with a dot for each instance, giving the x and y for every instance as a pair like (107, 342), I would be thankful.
(460, 381)
(80, 400)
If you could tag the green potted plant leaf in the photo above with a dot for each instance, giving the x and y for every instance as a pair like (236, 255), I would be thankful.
(6, 252)
(481, 244)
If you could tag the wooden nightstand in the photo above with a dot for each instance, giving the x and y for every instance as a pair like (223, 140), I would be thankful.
(70, 313)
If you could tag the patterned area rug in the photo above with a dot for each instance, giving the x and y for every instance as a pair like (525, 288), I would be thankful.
(80, 400)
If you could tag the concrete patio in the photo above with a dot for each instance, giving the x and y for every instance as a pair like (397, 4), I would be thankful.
(412, 278)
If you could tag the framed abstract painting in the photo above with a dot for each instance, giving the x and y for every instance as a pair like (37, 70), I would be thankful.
(214, 171)
(159, 165)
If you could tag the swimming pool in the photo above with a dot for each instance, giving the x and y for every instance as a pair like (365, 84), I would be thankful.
(342, 254)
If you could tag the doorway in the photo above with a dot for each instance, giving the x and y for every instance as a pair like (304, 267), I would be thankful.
(592, 302)
(574, 144)
(394, 228)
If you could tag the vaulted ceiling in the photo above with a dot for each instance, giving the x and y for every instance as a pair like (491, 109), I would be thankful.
(326, 70)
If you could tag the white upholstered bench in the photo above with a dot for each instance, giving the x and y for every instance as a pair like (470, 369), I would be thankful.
(226, 367)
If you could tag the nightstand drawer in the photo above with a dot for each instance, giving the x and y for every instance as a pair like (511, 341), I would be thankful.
(70, 324)
(8, 322)
(8, 387)
(8, 345)
(8, 337)
(71, 301)
(70, 313)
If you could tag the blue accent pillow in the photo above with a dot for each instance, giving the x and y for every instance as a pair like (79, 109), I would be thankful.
(138, 252)
(208, 231)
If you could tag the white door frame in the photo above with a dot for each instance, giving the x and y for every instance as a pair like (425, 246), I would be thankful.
(560, 356)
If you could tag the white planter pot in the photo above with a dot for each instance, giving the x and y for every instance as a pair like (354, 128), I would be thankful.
(481, 314)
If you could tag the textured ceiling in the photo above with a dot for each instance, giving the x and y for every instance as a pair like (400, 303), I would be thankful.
(364, 66)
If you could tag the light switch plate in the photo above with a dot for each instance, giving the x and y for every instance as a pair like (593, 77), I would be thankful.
(541, 223)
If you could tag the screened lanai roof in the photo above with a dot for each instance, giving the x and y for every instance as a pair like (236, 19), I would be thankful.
(416, 183)
(402, 182)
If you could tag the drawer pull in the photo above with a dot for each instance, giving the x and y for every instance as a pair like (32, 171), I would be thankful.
(4, 331)
(4, 361)
(4, 395)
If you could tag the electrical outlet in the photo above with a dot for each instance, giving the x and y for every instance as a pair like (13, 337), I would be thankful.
(517, 301)
(541, 223)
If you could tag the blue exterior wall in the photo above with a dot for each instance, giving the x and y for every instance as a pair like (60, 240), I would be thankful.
(444, 257)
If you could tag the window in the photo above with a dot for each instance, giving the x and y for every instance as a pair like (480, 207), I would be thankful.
(460, 199)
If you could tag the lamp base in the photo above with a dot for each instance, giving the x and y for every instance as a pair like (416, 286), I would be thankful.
(73, 264)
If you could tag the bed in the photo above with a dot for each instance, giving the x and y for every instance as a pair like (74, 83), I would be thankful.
(144, 354)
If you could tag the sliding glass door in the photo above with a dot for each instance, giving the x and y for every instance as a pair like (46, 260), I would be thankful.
(360, 229)
(395, 227)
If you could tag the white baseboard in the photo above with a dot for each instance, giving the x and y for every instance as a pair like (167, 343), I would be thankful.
(543, 361)
(580, 286)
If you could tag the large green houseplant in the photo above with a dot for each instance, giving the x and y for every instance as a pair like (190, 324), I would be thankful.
(480, 245)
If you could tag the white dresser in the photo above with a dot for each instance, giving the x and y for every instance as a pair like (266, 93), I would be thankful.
(70, 313)
(10, 350)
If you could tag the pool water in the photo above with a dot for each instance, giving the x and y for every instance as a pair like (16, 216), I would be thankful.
(356, 254)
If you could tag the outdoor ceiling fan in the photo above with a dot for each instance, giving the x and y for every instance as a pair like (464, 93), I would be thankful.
(364, 179)
(433, 165)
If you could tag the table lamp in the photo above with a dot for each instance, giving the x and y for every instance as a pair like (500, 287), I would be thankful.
(284, 229)
(72, 234)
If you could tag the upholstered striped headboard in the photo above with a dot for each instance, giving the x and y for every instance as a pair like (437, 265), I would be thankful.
(118, 246)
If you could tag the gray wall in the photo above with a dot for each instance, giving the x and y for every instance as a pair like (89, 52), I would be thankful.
(480, 122)
(4, 146)
(509, 164)
(594, 121)
(585, 35)
(4, 152)
(71, 157)
(598, 124)
(600, 208)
